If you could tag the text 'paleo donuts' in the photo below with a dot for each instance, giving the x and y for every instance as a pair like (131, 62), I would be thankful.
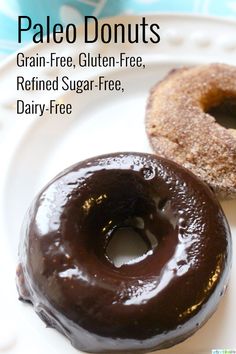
(149, 304)
(180, 128)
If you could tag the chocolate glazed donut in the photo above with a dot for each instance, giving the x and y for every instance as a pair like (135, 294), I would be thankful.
(152, 303)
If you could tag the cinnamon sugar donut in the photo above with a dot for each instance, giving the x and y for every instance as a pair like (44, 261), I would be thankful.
(180, 128)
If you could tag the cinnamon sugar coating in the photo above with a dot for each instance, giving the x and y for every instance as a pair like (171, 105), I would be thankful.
(180, 128)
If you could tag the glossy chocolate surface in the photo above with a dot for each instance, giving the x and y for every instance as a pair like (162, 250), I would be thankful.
(150, 304)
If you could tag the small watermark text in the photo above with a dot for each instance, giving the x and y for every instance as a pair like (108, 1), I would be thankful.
(223, 351)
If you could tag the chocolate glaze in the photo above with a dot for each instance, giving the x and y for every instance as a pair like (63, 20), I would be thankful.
(152, 304)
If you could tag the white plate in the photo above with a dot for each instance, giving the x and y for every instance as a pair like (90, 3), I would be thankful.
(35, 149)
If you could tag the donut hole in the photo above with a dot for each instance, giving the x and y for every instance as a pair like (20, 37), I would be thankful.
(137, 231)
(224, 112)
(123, 221)
(126, 246)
